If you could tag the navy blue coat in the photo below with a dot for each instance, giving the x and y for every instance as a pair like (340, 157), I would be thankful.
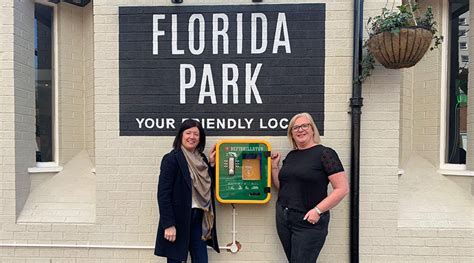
(174, 202)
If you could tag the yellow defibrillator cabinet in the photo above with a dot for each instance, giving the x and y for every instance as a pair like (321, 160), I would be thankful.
(243, 171)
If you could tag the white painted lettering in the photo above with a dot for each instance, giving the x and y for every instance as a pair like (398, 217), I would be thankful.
(281, 27)
(231, 124)
(207, 81)
(160, 123)
(183, 85)
(264, 37)
(157, 32)
(220, 124)
(262, 124)
(222, 32)
(257, 44)
(202, 43)
(174, 36)
(170, 123)
(284, 123)
(249, 122)
(211, 124)
(272, 123)
(250, 83)
(149, 123)
(226, 82)
(240, 125)
(140, 122)
(240, 34)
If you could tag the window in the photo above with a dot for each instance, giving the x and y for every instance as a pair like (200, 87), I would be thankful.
(44, 90)
(458, 57)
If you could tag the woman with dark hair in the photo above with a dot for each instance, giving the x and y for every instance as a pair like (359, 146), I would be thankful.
(186, 198)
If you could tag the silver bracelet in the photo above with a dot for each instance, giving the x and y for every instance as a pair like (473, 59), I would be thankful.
(317, 210)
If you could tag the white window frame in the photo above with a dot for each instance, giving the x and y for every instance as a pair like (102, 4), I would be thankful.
(461, 47)
(446, 168)
(54, 165)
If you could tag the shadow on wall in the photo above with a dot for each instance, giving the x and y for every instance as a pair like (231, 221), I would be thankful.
(67, 197)
(429, 199)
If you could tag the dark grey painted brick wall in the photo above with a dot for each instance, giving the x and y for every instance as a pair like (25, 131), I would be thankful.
(287, 83)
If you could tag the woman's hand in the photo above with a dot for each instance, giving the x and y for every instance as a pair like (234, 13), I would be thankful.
(275, 159)
(212, 156)
(170, 234)
(312, 216)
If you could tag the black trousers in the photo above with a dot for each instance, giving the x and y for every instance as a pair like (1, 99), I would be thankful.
(301, 240)
(197, 247)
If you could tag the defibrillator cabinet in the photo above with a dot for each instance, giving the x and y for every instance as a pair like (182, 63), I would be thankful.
(243, 171)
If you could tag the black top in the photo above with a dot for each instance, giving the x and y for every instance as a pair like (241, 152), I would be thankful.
(304, 177)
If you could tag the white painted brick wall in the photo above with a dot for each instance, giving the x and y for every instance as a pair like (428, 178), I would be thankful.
(128, 167)
(426, 101)
(7, 143)
(71, 82)
(260, 242)
(88, 48)
(24, 100)
(406, 116)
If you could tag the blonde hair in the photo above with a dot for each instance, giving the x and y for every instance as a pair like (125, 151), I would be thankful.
(316, 137)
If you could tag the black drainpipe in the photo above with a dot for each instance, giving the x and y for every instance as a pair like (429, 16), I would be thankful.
(356, 104)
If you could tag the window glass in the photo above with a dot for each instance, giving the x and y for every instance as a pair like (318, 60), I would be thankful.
(44, 82)
(458, 83)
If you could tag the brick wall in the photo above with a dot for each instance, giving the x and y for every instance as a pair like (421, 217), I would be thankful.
(127, 167)
(88, 49)
(406, 116)
(379, 156)
(71, 82)
(24, 98)
(426, 100)
(132, 174)
(7, 124)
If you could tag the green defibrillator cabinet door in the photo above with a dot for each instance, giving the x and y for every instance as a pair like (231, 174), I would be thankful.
(243, 171)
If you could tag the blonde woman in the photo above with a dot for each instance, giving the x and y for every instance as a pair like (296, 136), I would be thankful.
(302, 210)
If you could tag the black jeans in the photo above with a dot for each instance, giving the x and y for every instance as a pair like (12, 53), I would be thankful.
(302, 241)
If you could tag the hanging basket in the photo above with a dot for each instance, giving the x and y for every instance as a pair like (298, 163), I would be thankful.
(402, 50)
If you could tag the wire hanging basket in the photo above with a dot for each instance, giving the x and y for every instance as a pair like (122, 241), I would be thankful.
(400, 50)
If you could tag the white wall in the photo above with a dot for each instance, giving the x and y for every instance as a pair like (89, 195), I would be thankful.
(7, 123)
(24, 97)
(71, 82)
(127, 167)
(88, 49)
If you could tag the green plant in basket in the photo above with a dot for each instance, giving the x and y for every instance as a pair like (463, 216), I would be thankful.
(398, 38)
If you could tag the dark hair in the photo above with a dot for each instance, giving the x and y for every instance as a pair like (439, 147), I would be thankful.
(187, 124)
